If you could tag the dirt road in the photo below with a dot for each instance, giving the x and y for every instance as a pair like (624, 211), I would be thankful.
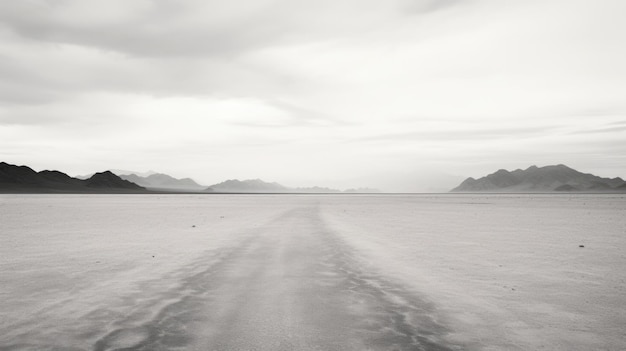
(291, 285)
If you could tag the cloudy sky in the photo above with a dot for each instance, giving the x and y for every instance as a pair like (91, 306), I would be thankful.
(403, 95)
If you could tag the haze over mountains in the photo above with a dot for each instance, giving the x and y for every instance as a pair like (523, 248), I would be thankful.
(541, 179)
(259, 186)
(250, 185)
(160, 181)
(559, 178)
(163, 181)
(22, 179)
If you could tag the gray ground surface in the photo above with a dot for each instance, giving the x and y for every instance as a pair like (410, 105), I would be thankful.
(290, 272)
(291, 286)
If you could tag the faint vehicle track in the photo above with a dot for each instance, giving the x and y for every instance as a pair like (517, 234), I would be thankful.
(292, 285)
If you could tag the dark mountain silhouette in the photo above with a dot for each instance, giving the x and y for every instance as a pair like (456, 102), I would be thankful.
(544, 179)
(22, 179)
(119, 173)
(20, 175)
(107, 179)
(163, 181)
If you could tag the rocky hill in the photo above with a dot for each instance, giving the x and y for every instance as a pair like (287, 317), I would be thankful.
(541, 179)
(23, 179)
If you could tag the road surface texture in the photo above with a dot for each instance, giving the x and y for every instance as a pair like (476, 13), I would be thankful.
(314, 272)
(290, 285)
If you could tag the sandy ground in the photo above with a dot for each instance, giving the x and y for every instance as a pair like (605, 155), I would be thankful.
(448, 272)
(506, 270)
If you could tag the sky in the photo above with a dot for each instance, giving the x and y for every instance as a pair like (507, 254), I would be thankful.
(400, 95)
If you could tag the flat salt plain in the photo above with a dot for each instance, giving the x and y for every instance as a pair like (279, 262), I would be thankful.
(313, 272)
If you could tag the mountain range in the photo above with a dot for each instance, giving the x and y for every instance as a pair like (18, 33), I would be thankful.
(162, 181)
(259, 186)
(541, 179)
(23, 179)
(559, 178)
(247, 186)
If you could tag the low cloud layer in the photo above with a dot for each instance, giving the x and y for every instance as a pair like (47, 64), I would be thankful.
(314, 93)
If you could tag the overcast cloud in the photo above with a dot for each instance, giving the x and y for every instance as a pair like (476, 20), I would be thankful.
(405, 95)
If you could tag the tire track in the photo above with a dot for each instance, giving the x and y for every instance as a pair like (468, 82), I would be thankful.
(293, 284)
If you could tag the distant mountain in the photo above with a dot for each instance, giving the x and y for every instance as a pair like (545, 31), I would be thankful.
(259, 186)
(163, 181)
(314, 189)
(541, 179)
(361, 191)
(120, 172)
(107, 179)
(22, 179)
(247, 186)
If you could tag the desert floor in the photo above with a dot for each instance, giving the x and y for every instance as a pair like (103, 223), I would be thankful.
(312, 272)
